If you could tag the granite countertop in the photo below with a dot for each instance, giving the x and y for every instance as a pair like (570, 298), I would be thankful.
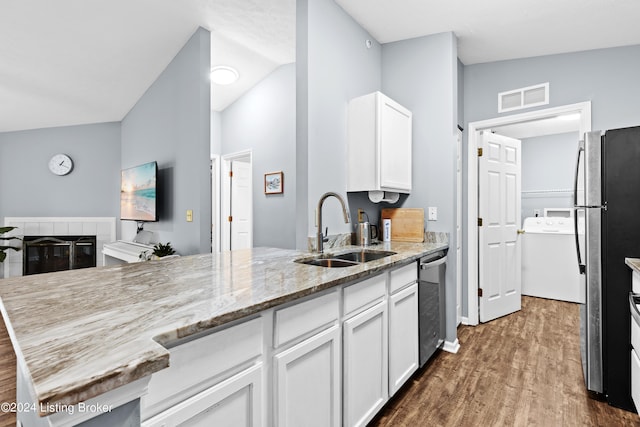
(82, 333)
(634, 263)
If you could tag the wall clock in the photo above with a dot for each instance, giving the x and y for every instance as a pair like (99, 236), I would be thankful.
(60, 164)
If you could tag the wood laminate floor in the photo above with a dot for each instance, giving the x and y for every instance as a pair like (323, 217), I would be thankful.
(520, 370)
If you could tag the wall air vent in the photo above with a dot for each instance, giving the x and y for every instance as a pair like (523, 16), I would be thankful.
(525, 97)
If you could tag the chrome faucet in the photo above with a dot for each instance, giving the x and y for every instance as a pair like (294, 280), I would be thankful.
(320, 236)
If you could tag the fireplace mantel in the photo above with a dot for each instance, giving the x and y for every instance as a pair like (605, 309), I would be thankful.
(104, 228)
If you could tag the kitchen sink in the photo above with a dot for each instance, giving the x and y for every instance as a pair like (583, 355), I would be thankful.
(329, 262)
(363, 255)
(346, 259)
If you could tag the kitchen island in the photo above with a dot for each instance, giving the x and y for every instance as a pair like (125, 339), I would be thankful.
(88, 334)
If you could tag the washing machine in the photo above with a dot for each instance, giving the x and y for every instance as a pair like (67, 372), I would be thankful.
(549, 263)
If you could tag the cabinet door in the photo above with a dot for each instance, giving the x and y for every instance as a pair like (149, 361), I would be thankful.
(307, 382)
(635, 377)
(234, 402)
(365, 364)
(395, 146)
(403, 336)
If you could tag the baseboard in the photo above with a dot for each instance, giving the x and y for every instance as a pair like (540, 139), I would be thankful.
(464, 320)
(451, 347)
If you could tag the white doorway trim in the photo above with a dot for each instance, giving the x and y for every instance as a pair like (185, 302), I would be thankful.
(215, 202)
(584, 108)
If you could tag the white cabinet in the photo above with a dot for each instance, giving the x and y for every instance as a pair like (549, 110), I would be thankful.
(379, 145)
(332, 359)
(403, 336)
(365, 363)
(306, 364)
(212, 380)
(235, 402)
(307, 382)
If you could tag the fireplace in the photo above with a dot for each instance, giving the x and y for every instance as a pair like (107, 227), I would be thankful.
(45, 254)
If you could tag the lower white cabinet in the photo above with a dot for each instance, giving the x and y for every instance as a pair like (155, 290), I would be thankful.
(235, 402)
(403, 336)
(328, 360)
(635, 378)
(308, 382)
(365, 364)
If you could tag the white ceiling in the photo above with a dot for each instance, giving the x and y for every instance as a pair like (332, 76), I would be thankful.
(69, 62)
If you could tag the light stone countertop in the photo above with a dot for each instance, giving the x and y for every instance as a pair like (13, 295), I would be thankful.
(82, 333)
(634, 263)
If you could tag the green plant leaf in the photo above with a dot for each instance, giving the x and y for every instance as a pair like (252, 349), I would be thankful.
(162, 250)
(6, 229)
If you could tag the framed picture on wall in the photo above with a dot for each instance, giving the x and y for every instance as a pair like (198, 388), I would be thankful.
(274, 183)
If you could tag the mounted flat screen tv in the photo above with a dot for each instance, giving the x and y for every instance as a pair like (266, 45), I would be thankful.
(138, 193)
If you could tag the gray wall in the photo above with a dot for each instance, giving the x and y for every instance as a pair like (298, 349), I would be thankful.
(606, 77)
(302, 122)
(264, 120)
(421, 74)
(339, 67)
(27, 188)
(460, 86)
(171, 124)
(547, 164)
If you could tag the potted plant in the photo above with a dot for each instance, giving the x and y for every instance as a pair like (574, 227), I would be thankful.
(3, 248)
(160, 250)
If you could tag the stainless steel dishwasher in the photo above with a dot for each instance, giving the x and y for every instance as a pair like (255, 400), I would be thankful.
(431, 298)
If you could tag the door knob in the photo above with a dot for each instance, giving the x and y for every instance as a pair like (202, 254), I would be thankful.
(520, 231)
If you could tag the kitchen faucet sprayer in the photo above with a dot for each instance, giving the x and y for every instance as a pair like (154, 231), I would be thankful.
(320, 236)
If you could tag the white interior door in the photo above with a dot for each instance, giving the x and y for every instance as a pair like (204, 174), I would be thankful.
(499, 260)
(241, 206)
(237, 203)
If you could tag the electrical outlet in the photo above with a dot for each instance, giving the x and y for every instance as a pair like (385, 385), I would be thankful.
(360, 212)
(433, 214)
(537, 212)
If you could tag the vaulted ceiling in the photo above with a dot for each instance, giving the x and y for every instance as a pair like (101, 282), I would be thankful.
(69, 62)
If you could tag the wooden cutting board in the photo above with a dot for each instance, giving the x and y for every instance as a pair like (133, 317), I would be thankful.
(407, 224)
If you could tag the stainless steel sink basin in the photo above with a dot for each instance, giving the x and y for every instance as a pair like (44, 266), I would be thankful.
(329, 262)
(364, 255)
(347, 259)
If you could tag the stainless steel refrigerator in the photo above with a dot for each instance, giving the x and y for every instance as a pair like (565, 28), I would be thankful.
(607, 222)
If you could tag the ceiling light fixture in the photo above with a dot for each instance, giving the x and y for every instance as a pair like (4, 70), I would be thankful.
(224, 75)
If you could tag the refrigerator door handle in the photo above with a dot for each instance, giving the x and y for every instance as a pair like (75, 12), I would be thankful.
(575, 180)
(581, 266)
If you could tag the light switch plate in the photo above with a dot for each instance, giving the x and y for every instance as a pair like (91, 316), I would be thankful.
(189, 215)
(433, 214)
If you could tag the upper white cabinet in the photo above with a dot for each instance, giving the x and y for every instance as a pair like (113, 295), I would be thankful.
(379, 145)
